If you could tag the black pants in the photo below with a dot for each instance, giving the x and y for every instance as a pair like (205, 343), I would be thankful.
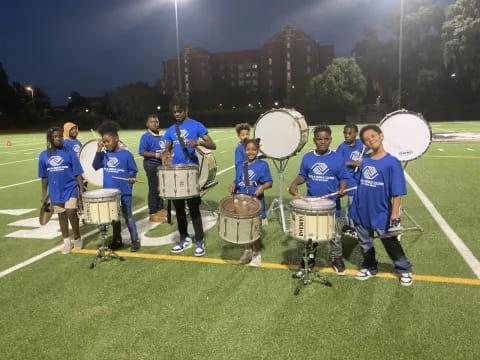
(194, 207)
(155, 202)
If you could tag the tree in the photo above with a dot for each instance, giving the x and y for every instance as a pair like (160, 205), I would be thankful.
(339, 89)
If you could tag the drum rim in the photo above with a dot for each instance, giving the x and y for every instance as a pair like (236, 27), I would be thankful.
(223, 212)
(177, 166)
(420, 116)
(309, 210)
(285, 110)
(116, 194)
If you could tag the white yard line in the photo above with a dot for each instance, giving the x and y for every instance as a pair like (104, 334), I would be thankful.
(18, 161)
(18, 184)
(464, 251)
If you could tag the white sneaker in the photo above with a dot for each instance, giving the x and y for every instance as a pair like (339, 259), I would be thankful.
(78, 243)
(246, 257)
(67, 245)
(256, 260)
(406, 279)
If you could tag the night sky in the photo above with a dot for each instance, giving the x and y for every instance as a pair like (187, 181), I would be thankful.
(96, 45)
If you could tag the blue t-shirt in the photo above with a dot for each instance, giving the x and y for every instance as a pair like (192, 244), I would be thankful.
(380, 180)
(240, 156)
(152, 143)
(60, 167)
(258, 174)
(121, 164)
(351, 153)
(190, 130)
(73, 145)
(323, 173)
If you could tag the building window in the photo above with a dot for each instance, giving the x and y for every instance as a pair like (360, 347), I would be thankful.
(308, 59)
(288, 55)
(240, 66)
(255, 82)
(308, 48)
(233, 83)
(254, 66)
(248, 74)
(308, 70)
(288, 44)
(254, 74)
(270, 83)
(289, 76)
(288, 65)
(240, 83)
(240, 74)
(270, 72)
(270, 61)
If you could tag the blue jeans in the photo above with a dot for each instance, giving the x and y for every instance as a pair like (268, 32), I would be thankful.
(392, 246)
(131, 225)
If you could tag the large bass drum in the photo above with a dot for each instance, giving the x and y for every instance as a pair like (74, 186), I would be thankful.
(86, 156)
(407, 135)
(282, 133)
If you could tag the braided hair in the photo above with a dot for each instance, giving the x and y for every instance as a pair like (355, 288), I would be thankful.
(50, 131)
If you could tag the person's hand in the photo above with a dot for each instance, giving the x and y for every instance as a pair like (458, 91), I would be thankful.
(165, 157)
(341, 192)
(132, 180)
(100, 146)
(192, 143)
(259, 191)
(293, 190)
(231, 188)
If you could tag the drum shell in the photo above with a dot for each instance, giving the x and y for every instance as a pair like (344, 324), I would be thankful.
(241, 228)
(312, 222)
(178, 181)
(101, 207)
(207, 166)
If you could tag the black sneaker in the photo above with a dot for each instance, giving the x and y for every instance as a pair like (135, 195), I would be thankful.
(116, 244)
(135, 246)
(339, 266)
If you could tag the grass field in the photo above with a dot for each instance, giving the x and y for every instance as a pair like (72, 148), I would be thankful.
(162, 306)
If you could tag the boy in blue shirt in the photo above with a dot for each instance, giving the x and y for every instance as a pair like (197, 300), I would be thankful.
(351, 150)
(70, 134)
(119, 162)
(61, 174)
(152, 145)
(182, 138)
(376, 206)
(324, 172)
(243, 133)
(259, 179)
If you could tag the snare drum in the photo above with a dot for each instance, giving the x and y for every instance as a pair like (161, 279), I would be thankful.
(178, 181)
(101, 206)
(240, 219)
(312, 218)
(283, 133)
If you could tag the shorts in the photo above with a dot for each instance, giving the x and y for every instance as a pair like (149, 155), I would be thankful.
(71, 203)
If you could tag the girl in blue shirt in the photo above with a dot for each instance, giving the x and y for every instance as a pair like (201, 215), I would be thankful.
(259, 179)
(376, 206)
(61, 174)
(118, 162)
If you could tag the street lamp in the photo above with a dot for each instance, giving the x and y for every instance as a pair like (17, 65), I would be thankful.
(178, 49)
(30, 89)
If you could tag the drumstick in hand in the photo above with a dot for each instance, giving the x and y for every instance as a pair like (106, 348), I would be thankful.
(361, 156)
(126, 179)
(336, 192)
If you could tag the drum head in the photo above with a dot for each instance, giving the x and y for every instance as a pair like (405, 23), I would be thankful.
(101, 194)
(407, 135)
(312, 205)
(241, 205)
(279, 132)
(86, 156)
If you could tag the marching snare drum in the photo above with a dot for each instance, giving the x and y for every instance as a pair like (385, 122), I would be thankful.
(240, 219)
(207, 167)
(312, 218)
(178, 181)
(101, 206)
(407, 135)
(282, 133)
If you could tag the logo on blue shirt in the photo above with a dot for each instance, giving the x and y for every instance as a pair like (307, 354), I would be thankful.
(369, 172)
(55, 160)
(355, 155)
(320, 168)
(112, 162)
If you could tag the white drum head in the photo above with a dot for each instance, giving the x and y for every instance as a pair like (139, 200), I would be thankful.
(101, 194)
(86, 156)
(279, 132)
(407, 135)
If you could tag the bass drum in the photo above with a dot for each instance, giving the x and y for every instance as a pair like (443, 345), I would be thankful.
(86, 156)
(282, 133)
(407, 135)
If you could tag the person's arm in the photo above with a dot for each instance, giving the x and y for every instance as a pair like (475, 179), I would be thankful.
(131, 169)
(206, 141)
(79, 179)
(396, 200)
(259, 191)
(44, 189)
(293, 189)
(341, 188)
(167, 154)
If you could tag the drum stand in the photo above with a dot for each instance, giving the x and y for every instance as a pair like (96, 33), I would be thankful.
(103, 248)
(306, 272)
(277, 204)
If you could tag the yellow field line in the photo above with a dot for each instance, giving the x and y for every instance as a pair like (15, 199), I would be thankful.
(429, 278)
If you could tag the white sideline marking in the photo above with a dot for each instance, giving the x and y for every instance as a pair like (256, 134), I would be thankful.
(18, 184)
(441, 150)
(225, 170)
(16, 212)
(18, 161)
(464, 251)
(470, 149)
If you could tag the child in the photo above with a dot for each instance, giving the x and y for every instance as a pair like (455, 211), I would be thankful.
(243, 133)
(351, 150)
(152, 144)
(117, 162)
(61, 173)
(376, 206)
(259, 180)
(324, 172)
(70, 141)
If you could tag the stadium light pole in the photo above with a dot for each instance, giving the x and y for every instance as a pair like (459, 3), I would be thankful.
(178, 49)
(31, 91)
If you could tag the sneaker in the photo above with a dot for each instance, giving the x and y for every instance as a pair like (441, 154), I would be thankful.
(339, 266)
(199, 248)
(135, 246)
(78, 244)
(182, 246)
(364, 274)
(116, 244)
(67, 246)
(246, 257)
(299, 274)
(156, 218)
(256, 260)
(406, 279)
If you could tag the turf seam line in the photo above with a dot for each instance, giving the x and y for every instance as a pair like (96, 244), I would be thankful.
(18, 184)
(457, 242)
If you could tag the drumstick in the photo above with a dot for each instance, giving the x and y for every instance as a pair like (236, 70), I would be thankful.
(126, 179)
(336, 192)
(361, 156)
